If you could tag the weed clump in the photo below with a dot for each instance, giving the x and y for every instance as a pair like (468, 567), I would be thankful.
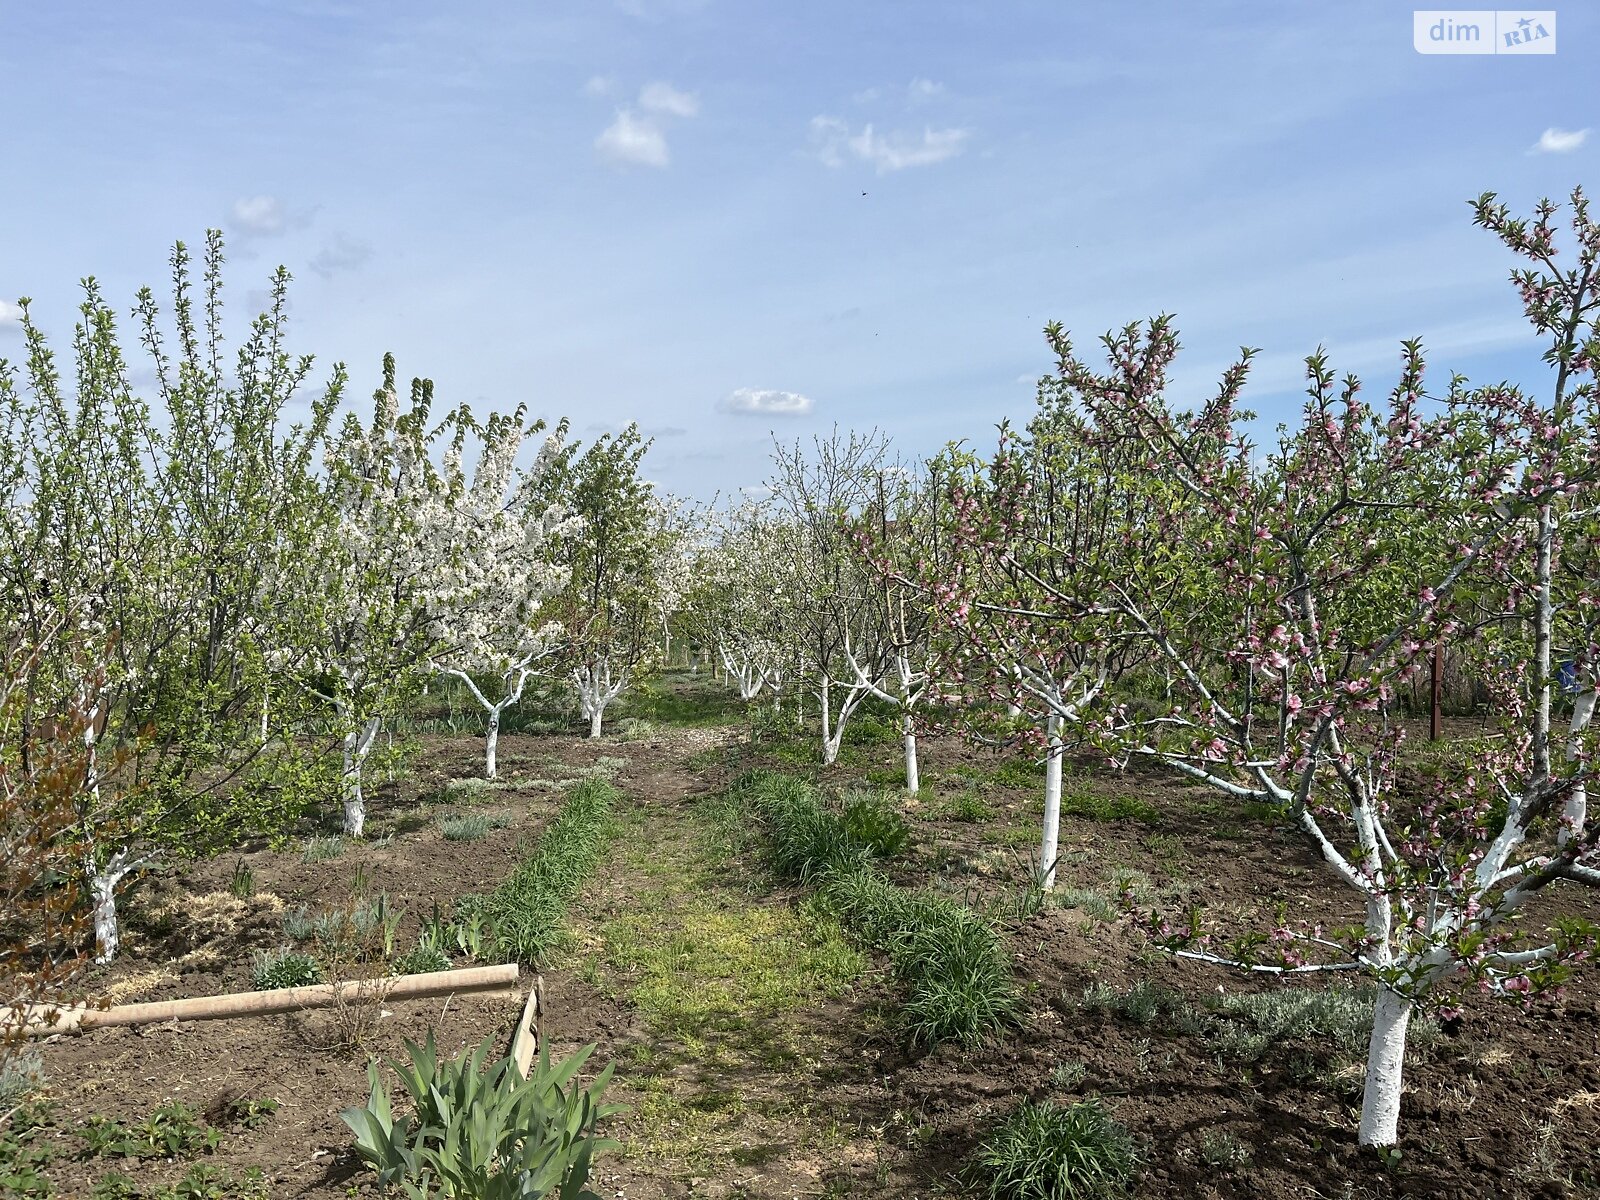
(1049, 1151)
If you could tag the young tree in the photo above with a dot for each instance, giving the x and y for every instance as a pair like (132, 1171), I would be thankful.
(838, 628)
(612, 597)
(900, 536)
(1008, 573)
(739, 604)
(148, 533)
(504, 532)
(377, 567)
(1368, 533)
(43, 926)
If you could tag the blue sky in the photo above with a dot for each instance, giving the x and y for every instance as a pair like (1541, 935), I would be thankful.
(726, 219)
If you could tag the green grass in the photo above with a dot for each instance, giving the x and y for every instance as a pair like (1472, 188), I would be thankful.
(1079, 801)
(699, 965)
(686, 701)
(951, 961)
(968, 807)
(527, 909)
(1050, 1151)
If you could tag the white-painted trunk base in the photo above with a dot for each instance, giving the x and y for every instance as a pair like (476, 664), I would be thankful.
(1050, 836)
(1386, 1059)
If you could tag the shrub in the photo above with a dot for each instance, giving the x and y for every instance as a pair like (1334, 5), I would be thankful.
(284, 968)
(472, 827)
(322, 848)
(483, 1131)
(21, 1075)
(1048, 1151)
(298, 925)
(1339, 1016)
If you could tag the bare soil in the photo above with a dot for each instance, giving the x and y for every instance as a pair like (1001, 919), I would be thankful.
(820, 1097)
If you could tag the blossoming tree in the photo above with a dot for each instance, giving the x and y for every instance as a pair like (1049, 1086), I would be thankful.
(502, 530)
(611, 604)
(1331, 566)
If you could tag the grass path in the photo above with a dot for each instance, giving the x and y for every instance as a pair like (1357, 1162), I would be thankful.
(749, 1069)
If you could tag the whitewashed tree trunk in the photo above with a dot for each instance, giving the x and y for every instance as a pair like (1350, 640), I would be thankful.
(509, 695)
(357, 744)
(103, 883)
(913, 779)
(596, 690)
(830, 744)
(1386, 1056)
(1050, 839)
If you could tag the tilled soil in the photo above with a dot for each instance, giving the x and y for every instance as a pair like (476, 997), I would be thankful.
(826, 1100)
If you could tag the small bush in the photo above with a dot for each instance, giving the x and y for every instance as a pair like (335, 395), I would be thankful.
(322, 849)
(471, 827)
(635, 729)
(21, 1074)
(1143, 1004)
(1336, 1016)
(284, 968)
(298, 925)
(1048, 1151)
(1223, 1151)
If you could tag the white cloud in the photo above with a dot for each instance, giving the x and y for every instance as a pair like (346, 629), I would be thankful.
(343, 253)
(260, 216)
(599, 85)
(865, 96)
(897, 151)
(10, 314)
(1559, 141)
(767, 402)
(924, 89)
(665, 99)
(885, 152)
(633, 139)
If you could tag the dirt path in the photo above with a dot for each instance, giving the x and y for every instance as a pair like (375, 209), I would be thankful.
(745, 1028)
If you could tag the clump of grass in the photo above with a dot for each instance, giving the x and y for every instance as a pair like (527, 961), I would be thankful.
(1092, 903)
(951, 960)
(1079, 800)
(284, 968)
(242, 884)
(1049, 1151)
(468, 827)
(526, 910)
(322, 848)
(869, 820)
(635, 729)
(969, 807)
